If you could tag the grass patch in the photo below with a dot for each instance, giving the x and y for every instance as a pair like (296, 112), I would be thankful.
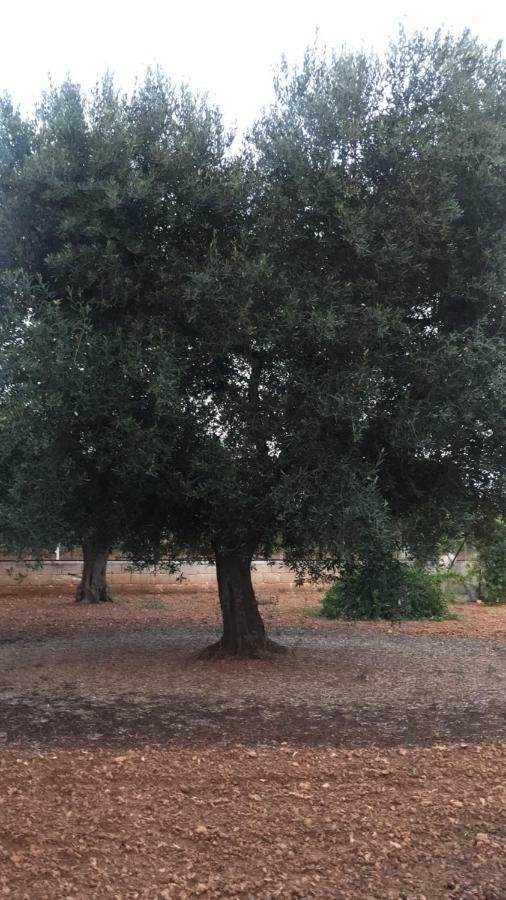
(313, 612)
(153, 604)
(451, 617)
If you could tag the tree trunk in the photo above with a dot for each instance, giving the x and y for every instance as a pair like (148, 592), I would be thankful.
(93, 585)
(244, 633)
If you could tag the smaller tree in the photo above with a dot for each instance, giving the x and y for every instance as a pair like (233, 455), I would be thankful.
(78, 430)
(107, 202)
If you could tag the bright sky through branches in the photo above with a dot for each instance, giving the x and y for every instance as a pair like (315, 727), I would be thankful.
(226, 47)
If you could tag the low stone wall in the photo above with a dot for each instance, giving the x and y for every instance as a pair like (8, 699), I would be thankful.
(269, 578)
(63, 576)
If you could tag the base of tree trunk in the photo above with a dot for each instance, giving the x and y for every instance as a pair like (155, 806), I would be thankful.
(246, 650)
(89, 597)
(244, 635)
(93, 585)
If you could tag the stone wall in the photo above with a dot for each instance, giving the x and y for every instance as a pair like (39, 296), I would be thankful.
(268, 578)
(63, 576)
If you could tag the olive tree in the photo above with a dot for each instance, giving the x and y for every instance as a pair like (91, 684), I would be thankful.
(107, 202)
(345, 391)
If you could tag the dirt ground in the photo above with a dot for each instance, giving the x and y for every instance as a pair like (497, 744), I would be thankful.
(34, 613)
(369, 762)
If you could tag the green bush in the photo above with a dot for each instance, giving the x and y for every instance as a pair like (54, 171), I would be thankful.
(491, 565)
(385, 589)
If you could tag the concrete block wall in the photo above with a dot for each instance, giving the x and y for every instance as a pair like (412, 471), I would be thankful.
(62, 577)
(268, 578)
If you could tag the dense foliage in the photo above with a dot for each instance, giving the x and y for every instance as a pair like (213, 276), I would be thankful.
(101, 221)
(300, 346)
(385, 589)
(491, 565)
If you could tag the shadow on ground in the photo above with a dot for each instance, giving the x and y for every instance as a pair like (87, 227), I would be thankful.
(345, 689)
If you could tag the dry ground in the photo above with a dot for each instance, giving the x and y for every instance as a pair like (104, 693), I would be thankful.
(368, 763)
(32, 613)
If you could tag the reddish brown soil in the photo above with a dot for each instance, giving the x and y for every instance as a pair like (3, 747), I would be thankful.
(368, 764)
(261, 824)
(59, 614)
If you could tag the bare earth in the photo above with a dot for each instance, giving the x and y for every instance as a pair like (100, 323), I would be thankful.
(368, 763)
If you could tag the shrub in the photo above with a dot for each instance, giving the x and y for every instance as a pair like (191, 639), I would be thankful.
(491, 565)
(385, 589)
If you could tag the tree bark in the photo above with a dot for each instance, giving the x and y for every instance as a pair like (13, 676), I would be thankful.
(244, 634)
(93, 585)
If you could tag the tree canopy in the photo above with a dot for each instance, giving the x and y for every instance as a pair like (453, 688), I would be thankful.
(322, 312)
(101, 220)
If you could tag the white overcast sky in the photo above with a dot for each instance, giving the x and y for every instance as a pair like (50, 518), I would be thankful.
(226, 47)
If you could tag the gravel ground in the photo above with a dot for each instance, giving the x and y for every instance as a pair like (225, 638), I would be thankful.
(260, 824)
(367, 764)
(126, 686)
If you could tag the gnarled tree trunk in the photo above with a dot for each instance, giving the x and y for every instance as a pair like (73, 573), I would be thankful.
(93, 585)
(244, 633)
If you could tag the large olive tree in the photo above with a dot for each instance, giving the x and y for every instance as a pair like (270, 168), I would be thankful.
(346, 381)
